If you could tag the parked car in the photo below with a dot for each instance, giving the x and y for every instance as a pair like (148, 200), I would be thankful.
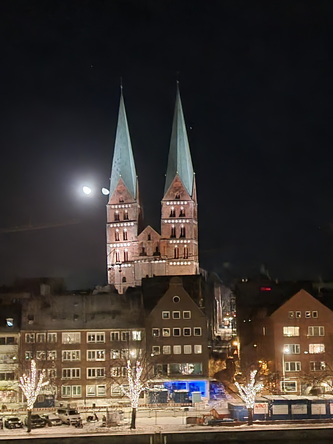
(68, 416)
(13, 422)
(37, 421)
(52, 419)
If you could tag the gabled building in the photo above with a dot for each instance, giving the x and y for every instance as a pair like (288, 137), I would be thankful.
(132, 252)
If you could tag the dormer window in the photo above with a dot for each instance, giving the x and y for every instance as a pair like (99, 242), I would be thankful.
(173, 231)
(172, 212)
(116, 215)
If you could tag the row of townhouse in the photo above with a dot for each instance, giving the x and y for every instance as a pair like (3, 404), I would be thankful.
(83, 342)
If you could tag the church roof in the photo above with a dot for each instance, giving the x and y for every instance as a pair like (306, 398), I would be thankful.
(123, 165)
(179, 161)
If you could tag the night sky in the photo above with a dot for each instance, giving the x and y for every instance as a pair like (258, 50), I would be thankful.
(256, 84)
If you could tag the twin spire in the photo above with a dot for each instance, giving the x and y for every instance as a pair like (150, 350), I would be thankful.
(179, 160)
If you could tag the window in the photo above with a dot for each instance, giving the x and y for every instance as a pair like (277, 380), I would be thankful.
(172, 212)
(176, 253)
(198, 349)
(187, 349)
(95, 355)
(177, 349)
(126, 255)
(114, 354)
(125, 215)
(117, 256)
(308, 314)
(166, 349)
(173, 231)
(182, 231)
(136, 335)
(30, 337)
(155, 350)
(187, 331)
(166, 332)
(8, 358)
(316, 331)
(289, 386)
(176, 332)
(114, 336)
(7, 376)
(292, 349)
(52, 355)
(292, 366)
(186, 315)
(41, 355)
(316, 366)
(91, 390)
(101, 390)
(197, 331)
(116, 215)
(96, 372)
(185, 252)
(125, 335)
(182, 212)
(68, 391)
(71, 338)
(8, 340)
(95, 337)
(40, 337)
(290, 331)
(116, 235)
(165, 314)
(52, 337)
(51, 373)
(316, 348)
(115, 372)
(28, 355)
(298, 314)
(124, 353)
(176, 299)
(291, 314)
(71, 373)
(155, 332)
(71, 355)
(315, 314)
(176, 315)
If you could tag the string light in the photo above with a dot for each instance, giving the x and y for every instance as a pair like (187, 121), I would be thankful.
(135, 385)
(31, 384)
(248, 392)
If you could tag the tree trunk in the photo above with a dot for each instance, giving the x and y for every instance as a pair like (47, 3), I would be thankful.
(29, 422)
(250, 416)
(133, 418)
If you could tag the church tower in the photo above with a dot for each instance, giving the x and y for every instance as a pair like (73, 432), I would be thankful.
(123, 209)
(179, 219)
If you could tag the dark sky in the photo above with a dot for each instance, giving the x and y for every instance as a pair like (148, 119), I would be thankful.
(256, 83)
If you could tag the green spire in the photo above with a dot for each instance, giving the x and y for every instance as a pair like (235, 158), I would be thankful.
(179, 161)
(123, 165)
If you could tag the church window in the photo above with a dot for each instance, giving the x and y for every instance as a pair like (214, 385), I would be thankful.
(117, 256)
(116, 215)
(182, 212)
(172, 212)
(116, 235)
(125, 215)
(182, 231)
(123, 279)
(185, 252)
(176, 253)
(177, 196)
(173, 231)
(121, 199)
(149, 237)
(126, 255)
(125, 234)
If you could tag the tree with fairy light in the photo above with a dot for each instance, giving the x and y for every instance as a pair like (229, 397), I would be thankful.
(248, 394)
(136, 386)
(31, 385)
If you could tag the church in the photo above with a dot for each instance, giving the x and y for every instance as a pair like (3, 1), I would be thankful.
(132, 253)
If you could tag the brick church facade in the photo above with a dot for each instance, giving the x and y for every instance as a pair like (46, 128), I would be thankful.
(133, 254)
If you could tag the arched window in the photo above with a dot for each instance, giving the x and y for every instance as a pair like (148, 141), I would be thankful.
(117, 256)
(177, 196)
(125, 215)
(121, 199)
(126, 255)
(125, 234)
(123, 279)
(182, 231)
(176, 253)
(182, 212)
(149, 237)
(116, 215)
(172, 212)
(185, 252)
(173, 231)
(116, 235)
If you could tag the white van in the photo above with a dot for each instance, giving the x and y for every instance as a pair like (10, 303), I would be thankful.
(68, 415)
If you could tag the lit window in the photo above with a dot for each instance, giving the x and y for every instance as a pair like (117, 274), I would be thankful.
(291, 314)
(166, 349)
(288, 386)
(316, 331)
(155, 350)
(52, 337)
(40, 337)
(198, 349)
(187, 349)
(28, 355)
(155, 332)
(316, 348)
(125, 234)
(71, 355)
(292, 349)
(95, 355)
(308, 314)
(41, 355)
(182, 212)
(290, 331)
(30, 337)
(95, 337)
(116, 235)
(165, 314)
(51, 355)
(292, 366)
(136, 335)
(315, 314)
(177, 349)
(298, 314)
(114, 354)
(71, 338)
(172, 212)
(116, 215)
(166, 332)
(316, 366)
